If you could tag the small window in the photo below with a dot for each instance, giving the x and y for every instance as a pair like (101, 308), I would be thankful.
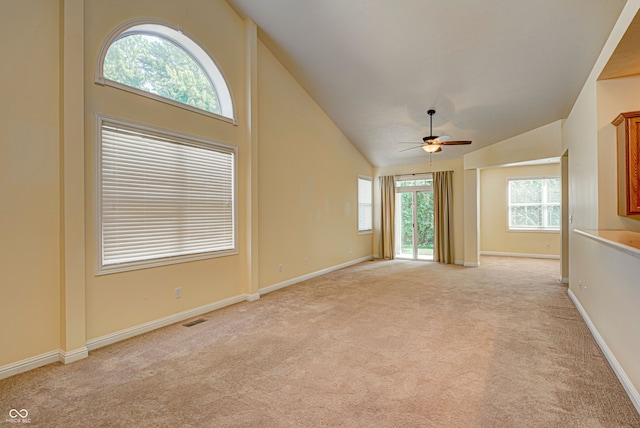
(158, 62)
(534, 203)
(162, 197)
(365, 213)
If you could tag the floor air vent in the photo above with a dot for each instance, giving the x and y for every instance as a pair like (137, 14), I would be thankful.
(194, 322)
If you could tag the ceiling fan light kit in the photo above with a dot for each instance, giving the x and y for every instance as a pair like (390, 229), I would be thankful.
(432, 148)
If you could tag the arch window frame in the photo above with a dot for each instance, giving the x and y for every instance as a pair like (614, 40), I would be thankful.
(177, 36)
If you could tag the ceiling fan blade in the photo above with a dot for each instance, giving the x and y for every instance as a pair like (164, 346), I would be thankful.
(454, 143)
(411, 148)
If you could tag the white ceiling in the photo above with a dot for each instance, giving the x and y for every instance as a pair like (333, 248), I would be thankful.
(492, 69)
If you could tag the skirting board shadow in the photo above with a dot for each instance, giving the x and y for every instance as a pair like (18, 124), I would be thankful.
(613, 362)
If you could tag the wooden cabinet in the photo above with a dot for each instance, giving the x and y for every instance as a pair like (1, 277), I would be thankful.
(628, 149)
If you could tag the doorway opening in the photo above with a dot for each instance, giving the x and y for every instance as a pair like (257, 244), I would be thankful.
(414, 217)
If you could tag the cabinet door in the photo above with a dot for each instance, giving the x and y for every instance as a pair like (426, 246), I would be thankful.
(633, 167)
(628, 148)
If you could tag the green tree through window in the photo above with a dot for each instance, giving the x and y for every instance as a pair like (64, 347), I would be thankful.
(156, 65)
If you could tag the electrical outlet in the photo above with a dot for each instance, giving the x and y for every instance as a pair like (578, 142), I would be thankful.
(547, 246)
(178, 293)
(306, 262)
(279, 268)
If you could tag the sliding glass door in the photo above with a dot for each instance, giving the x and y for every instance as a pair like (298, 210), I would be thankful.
(414, 218)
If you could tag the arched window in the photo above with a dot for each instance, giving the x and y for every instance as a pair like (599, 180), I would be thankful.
(154, 60)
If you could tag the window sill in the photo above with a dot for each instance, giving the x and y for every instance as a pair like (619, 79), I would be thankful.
(534, 230)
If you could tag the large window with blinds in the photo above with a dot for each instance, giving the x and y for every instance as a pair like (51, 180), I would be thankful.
(162, 197)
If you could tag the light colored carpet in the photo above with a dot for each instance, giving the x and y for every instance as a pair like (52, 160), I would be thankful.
(380, 344)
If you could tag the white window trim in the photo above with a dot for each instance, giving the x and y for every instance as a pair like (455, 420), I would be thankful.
(412, 177)
(103, 270)
(528, 229)
(175, 35)
(370, 180)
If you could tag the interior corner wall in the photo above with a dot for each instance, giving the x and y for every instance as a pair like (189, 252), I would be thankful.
(454, 165)
(30, 246)
(119, 301)
(308, 174)
(494, 234)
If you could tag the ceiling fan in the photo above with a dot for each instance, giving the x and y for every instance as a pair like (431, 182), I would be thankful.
(433, 143)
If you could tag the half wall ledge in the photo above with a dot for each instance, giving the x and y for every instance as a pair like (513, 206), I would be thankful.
(623, 240)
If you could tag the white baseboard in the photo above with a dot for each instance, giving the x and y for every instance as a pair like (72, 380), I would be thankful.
(29, 364)
(458, 262)
(253, 297)
(564, 280)
(73, 356)
(632, 392)
(469, 264)
(532, 256)
(163, 322)
(311, 275)
(43, 360)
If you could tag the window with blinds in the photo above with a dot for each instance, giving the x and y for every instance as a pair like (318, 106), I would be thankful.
(162, 197)
(365, 213)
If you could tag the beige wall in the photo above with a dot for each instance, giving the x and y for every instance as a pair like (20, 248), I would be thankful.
(494, 234)
(29, 180)
(602, 279)
(307, 181)
(458, 198)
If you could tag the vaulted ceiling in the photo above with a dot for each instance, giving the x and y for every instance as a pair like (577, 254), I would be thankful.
(491, 69)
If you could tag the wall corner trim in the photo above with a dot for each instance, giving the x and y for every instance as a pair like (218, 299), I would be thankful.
(74, 355)
(632, 392)
(253, 297)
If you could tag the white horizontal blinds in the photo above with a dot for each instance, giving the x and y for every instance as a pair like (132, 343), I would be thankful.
(163, 197)
(364, 204)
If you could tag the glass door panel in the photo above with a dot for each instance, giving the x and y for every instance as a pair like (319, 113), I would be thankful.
(424, 225)
(404, 226)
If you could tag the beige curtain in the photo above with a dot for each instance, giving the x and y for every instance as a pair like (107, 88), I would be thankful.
(443, 216)
(388, 203)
